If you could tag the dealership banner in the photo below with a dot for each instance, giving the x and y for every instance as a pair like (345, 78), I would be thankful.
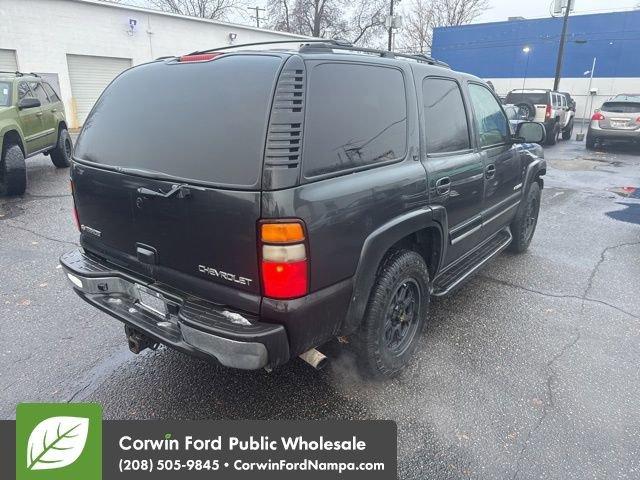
(71, 441)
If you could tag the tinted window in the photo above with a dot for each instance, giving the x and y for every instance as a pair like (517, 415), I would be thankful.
(493, 126)
(537, 98)
(24, 91)
(445, 118)
(199, 121)
(5, 94)
(36, 88)
(53, 96)
(621, 107)
(513, 113)
(356, 115)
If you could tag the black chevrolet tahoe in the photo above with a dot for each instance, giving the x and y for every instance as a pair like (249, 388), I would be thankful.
(247, 206)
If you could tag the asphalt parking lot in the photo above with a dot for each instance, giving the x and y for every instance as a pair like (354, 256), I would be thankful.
(529, 371)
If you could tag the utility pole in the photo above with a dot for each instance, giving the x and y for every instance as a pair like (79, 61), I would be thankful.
(257, 9)
(563, 40)
(390, 25)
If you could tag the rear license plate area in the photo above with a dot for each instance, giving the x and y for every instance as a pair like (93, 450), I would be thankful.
(152, 301)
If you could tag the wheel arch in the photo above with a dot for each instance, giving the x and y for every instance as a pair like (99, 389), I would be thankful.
(421, 231)
(12, 136)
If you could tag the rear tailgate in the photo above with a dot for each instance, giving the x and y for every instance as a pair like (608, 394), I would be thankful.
(167, 174)
(620, 116)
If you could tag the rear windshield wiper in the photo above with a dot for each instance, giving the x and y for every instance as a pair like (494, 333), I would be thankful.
(183, 190)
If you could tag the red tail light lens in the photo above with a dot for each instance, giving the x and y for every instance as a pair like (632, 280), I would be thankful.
(638, 120)
(547, 113)
(284, 280)
(284, 266)
(74, 210)
(204, 57)
(597, 116)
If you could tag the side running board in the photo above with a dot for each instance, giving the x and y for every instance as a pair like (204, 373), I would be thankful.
(456, 274)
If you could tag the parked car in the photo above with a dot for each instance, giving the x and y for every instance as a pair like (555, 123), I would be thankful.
(627, 97)
(32, 121)
(615, 120)
(546, 106)
(384, 180)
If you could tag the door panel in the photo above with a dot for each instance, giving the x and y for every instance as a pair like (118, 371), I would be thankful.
(454, 170)
(501, 162)
(30, 121)
(47, 118)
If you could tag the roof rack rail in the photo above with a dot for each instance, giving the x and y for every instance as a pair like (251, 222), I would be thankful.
(20, 74)
(274, 42)
(323, 44)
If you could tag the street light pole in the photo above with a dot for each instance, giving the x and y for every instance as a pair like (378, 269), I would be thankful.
(526, 51)
(563, 39)
(588, 101)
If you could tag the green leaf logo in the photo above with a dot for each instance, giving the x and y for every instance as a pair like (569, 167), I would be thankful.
(56, 442)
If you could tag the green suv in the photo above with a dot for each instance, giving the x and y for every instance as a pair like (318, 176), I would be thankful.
(32, 121)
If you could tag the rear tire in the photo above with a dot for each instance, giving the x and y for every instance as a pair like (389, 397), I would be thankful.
(568, 131)
(13, 171)
(524, 225)
(395, 316)
(591, 142)
(552, 138)
(61, 155)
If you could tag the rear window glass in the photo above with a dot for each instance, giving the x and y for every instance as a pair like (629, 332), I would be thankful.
(356, 116)
(446, 125)
(541, 98)
(195, 121)
(5, 94)
(621, 107)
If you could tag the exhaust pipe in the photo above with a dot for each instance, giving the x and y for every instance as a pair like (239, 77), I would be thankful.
(137, 341)
(315, 358)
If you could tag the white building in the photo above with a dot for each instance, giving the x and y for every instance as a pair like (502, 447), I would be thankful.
(81, 45)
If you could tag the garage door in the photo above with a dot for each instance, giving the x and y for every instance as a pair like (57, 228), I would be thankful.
(89, 76)
(8, 61)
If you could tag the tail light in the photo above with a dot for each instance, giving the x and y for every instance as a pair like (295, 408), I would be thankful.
(74, 210)
(638, 120)
(547, 113)
(597, 116)
(284, 263)
(204, 57)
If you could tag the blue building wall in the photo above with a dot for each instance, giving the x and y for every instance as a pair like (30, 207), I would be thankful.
(494, 50)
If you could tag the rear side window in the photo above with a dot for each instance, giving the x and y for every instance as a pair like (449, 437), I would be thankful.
(445, 117)
(356, 116)
(621, 107)
(53, 96)
(493, 126)
(535, 98)
(201, 121)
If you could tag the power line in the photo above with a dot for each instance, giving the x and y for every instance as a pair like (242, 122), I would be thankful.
(257, 18)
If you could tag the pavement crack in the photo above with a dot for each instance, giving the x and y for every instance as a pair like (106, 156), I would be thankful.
(603, 256)
(550, 403)
(559, 295)
(44, 237)
(78, 392)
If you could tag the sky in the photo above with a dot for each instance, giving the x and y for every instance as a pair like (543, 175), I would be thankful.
(502, 9)
(499, 10)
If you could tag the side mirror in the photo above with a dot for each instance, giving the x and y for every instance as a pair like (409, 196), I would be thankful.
(530, 132)
(28, 103)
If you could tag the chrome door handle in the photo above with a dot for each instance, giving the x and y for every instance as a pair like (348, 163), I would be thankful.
(490, 171)
(39, 114)
(443, 186)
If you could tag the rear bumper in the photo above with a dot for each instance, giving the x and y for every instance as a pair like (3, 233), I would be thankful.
(192, 325)
(613, 134)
